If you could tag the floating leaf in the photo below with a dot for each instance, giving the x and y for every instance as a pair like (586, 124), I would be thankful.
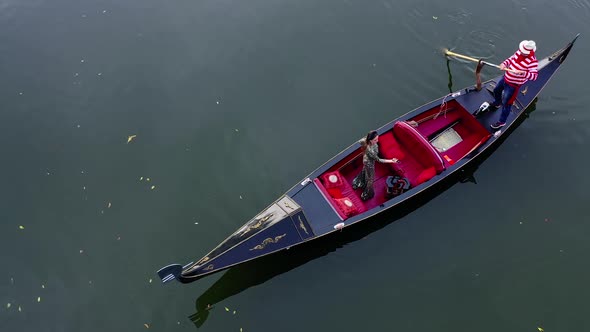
(8, 305)
(240, 329)
(38, 298)
(147, 326)
(540, 329)
(153, 187)
(109, 206)
(226, 309)
(435, 17)
(21, 227)
(19, 309)
(150, 280)
(43, 286)
(148, 179)
(141, 178)
(130, 138)
(234, 312)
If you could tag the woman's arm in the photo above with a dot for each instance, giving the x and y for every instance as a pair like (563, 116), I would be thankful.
(373, 154)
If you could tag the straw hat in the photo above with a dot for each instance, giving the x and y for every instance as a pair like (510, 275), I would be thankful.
(527, 46)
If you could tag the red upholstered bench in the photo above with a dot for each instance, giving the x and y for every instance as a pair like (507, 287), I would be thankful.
(338, 192)
(419, 161)
(389, 147)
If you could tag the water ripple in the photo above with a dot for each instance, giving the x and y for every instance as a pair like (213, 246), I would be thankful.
(482, 43)
(460, 16)
(582, 4)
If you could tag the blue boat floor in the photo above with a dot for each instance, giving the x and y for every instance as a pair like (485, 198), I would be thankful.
(318, 212)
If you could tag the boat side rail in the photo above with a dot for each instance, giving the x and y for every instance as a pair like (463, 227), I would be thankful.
(359, 154)
(480, 143)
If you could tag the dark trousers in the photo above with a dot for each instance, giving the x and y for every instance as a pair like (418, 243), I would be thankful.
(504, 95)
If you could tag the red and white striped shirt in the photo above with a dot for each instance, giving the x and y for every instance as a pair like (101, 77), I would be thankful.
(522, 62)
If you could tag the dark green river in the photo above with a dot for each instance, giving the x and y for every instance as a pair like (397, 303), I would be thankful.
(135, 134)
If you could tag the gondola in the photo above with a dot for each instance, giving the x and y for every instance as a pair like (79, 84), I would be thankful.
(432, 142)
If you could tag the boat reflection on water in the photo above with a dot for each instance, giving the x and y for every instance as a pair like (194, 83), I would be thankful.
(450, 85)
(258, 271)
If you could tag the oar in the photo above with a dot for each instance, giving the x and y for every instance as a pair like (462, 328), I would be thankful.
(461, 56)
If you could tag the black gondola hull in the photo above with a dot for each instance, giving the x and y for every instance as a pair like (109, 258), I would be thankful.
(308, 210)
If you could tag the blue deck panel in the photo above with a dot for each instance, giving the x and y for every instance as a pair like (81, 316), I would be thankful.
(319, 212)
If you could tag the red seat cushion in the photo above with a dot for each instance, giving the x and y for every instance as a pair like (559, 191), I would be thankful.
(426, 175)
(332, 179)
(335, 192)
(346, 206)
(420, 148)
(345, 191)
(348, 192)
(389, 147)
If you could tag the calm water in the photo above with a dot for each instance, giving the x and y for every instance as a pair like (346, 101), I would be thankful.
(232, 103)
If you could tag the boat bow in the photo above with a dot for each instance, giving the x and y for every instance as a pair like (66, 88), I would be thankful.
(279, 226)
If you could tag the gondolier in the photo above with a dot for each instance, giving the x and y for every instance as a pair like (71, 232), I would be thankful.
(521, 67)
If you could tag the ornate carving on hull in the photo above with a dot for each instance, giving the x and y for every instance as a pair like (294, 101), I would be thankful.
(554, 55)
(258, 223)
(302, 225)
(208, 268)
(267, 241)
(288, 204)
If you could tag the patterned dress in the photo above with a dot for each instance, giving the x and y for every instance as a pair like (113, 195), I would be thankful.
(366, 177)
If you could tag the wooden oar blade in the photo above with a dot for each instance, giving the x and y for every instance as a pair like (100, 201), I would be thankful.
(480, 65)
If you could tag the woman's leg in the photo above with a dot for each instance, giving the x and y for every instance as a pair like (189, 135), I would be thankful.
(359, 180)
(368, 193)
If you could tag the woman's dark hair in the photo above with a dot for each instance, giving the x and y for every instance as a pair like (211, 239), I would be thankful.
(370, 136)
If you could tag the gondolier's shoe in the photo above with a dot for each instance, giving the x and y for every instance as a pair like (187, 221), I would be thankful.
(494, 106)
(498, 125)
